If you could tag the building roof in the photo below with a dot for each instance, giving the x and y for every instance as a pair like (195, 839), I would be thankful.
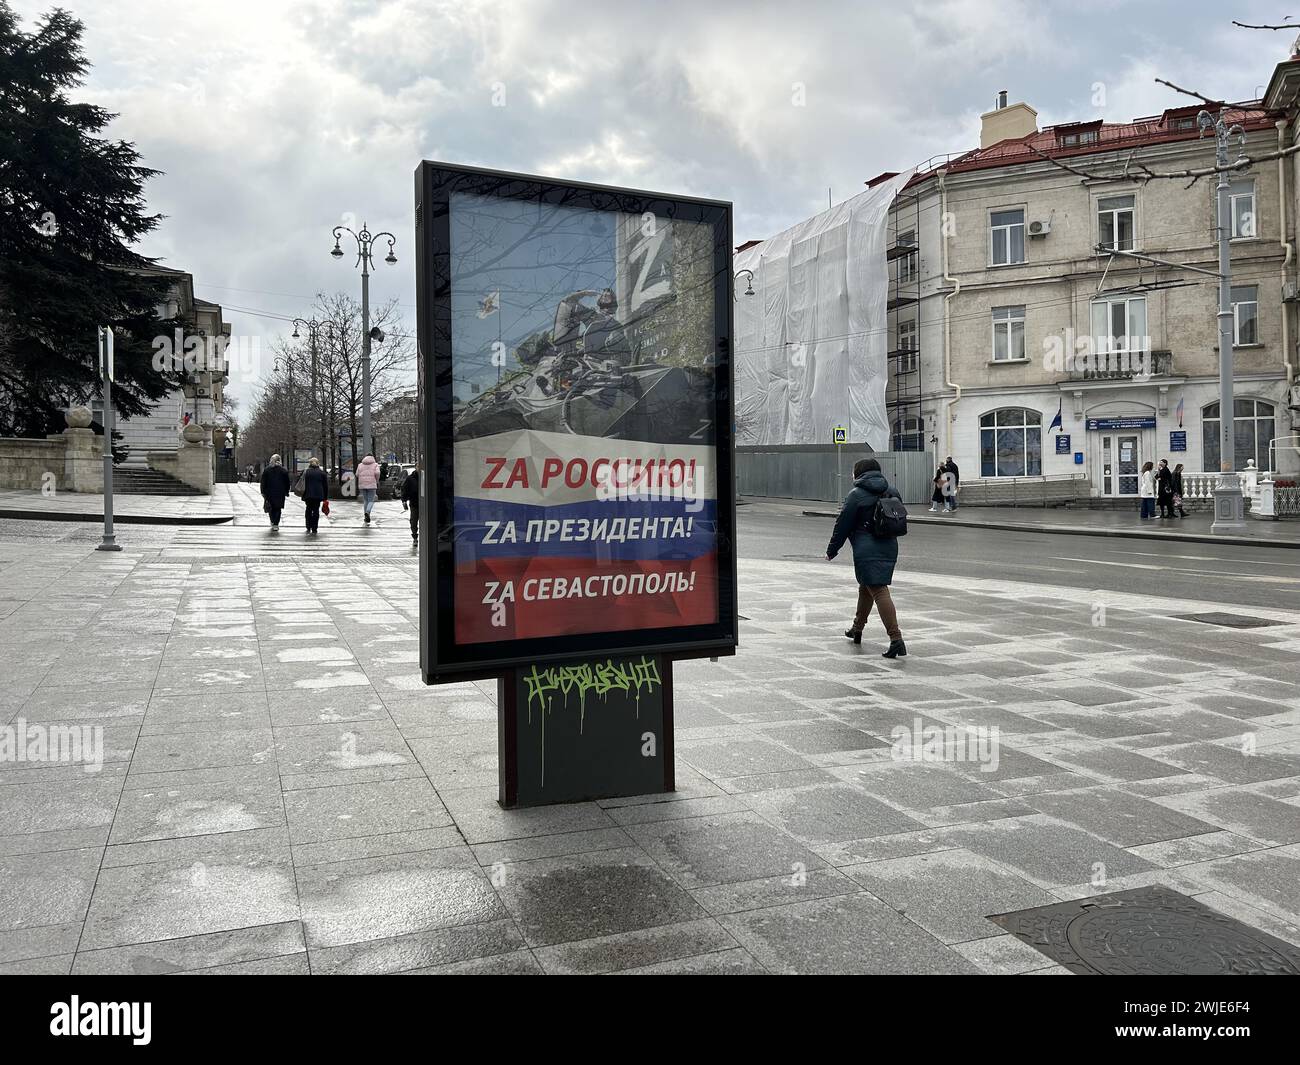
(1064, 141)
(1284, 86)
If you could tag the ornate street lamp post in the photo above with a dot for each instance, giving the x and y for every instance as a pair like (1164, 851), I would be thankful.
(314, 327)
(365, 242)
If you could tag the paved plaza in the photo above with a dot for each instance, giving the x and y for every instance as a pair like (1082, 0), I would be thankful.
(280, 793)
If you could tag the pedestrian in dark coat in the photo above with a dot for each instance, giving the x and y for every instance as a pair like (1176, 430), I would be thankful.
(936, 496)
(315, 490)
(275, 489)
(953, 483)
(411, 501)
(1177, 483)
(873, 557)
(1165, 489)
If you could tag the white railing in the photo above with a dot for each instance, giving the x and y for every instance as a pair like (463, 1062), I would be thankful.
(1256, 486)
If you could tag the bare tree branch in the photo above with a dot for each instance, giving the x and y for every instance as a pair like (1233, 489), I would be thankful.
(1144, 173)
(1248, 26)
(1188, 92)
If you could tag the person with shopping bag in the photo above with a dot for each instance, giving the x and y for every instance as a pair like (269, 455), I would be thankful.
(315, 494)
(275, 490)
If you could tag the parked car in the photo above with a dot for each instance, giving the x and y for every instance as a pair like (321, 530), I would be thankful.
(391, 478)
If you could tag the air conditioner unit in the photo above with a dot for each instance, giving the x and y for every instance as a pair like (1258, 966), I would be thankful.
(1289, 292)
(1039, 229)
(202, 393)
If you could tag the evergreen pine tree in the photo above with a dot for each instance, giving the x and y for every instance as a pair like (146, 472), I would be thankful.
(72, 206)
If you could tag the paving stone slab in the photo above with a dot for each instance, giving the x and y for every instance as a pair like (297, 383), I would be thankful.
(1045, 850)
(363, 809)
(173, 899)
(1125, 820)
(419, 950)
(830, 813)
(722, 848)
(394, 895)
(841, 935)
(195, 810)
(586, 896)
(642, 948)
(240, 945)
(948, 893)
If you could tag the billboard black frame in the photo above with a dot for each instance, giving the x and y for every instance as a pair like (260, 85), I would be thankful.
(442, 660)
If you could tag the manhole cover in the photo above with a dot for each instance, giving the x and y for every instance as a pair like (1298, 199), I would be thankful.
(1232, 621)
(1150, 931)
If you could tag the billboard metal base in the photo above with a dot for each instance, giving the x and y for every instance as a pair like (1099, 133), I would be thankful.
(598, 728)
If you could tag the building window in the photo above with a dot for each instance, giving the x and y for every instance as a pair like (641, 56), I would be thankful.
(1115, 222)
(1245, 315)
(907, 265)
(1253, 426)
(1241, 204)
(1008, 333)
(1074, 140)
(907, 343)
(909, 434)
(1011, 443)
(1007, 237)
(1120, 325)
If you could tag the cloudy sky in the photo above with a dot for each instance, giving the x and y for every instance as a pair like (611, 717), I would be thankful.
(274, 120)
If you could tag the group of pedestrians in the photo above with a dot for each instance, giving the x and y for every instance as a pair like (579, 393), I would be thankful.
(313, 486)
(1161, 486)
(947, 481)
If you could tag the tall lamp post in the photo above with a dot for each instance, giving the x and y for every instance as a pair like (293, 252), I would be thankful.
(1229, 506)
(285, 363)
(314, 326)
(365, 242)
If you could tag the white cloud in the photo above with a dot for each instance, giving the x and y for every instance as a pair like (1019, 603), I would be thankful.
(273, 120)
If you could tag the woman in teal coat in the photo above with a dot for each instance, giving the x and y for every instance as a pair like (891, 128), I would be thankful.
(873, 557)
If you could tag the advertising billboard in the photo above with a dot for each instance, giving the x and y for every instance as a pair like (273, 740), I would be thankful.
(575, 343)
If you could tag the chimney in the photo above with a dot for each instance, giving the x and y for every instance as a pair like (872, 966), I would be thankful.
(1007, 121)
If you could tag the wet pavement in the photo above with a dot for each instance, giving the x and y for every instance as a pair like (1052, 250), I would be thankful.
(280, 793)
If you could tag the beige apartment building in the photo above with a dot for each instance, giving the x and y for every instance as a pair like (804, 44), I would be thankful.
(1008, 305)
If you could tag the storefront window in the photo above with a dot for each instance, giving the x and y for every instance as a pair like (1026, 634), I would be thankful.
(1011, 443)
(1253, 426)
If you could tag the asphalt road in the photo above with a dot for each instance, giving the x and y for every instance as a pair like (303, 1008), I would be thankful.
(1268, 577)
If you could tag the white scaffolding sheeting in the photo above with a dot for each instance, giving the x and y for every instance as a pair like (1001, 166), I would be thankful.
(811, 343)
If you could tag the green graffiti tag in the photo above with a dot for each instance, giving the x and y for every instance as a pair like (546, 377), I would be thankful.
(588, 677)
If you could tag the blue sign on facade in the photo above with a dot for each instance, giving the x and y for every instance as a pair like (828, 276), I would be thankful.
(1177, 439)
(1148, 422)
(1078, 458)
(1063, 443)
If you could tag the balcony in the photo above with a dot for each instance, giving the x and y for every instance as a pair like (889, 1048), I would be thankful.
(1120, 365)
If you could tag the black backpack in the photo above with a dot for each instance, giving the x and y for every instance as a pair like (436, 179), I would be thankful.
(888, 519)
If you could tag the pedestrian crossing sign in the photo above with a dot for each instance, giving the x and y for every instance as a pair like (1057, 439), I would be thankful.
(840, 435)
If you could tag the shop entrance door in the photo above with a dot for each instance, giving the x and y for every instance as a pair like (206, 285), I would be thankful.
(1121, 460)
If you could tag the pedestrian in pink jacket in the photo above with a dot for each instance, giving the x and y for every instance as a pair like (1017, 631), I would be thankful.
(368, 482)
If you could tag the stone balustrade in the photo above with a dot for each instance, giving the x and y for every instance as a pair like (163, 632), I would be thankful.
(70, 461)
(1256, 486)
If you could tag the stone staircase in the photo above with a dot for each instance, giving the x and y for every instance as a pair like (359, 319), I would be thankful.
(130, 480)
